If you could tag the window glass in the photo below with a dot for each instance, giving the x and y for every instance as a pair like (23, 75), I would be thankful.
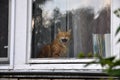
(70, 28)
(4, 8)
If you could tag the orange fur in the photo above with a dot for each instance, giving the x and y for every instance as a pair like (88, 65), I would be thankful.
(58, 48)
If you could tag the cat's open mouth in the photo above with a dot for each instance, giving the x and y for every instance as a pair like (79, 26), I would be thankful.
(64, 40)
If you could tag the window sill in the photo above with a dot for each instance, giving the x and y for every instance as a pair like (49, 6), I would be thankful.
(6, 67)
(61, 61)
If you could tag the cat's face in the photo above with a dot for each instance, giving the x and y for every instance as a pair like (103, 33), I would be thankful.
(64, 37)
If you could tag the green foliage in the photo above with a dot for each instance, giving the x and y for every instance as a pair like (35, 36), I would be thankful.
(95, 55)
(114, 72)
(110, 62)
(106, 61)
(117, 12)
(90, 55)
(81, 55)
(118, 30)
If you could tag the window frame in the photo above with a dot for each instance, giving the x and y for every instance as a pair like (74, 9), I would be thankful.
(11, 16)
(48, 60)
(22, 60)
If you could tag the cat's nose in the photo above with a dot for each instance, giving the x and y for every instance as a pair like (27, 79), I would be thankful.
(64, 40)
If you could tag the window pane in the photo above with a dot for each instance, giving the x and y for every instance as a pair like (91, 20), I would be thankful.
(4, 6)
(70, 28)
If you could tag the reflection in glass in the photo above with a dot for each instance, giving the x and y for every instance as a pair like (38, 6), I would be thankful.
(4, 6)
(71, 27)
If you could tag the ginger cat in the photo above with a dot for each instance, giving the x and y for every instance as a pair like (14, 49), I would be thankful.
(58, 48)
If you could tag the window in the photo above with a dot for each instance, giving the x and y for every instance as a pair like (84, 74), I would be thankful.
(4, 17)
(77, 25)
(7, 28)
(90, 26)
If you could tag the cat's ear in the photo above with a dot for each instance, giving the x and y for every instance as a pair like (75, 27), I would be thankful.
(59, 30)
(69, 31)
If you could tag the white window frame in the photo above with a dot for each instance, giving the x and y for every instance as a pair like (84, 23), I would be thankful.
(69, 60)
(11, 34)
(23, 40)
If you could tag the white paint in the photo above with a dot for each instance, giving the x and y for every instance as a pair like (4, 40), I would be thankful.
(29, 31)
(6, 67)
(12, 32)
(72, 60)
(20, 32)
(57, 67)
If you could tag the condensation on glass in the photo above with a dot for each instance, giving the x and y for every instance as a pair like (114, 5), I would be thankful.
(86, 21)
(4, 12)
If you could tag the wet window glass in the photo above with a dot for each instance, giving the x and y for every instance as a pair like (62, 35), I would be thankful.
(4, 8)
(70, 28)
